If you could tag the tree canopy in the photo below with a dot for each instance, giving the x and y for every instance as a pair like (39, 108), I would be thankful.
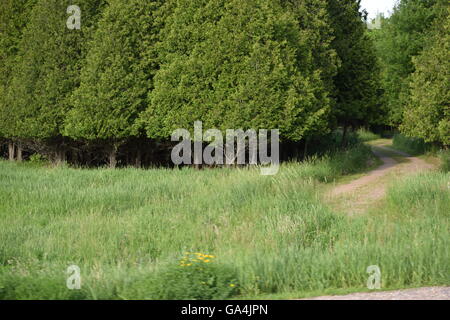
(235, 64)
(427, 114)
(402, 37)
(46, 69)
(357, 81)
(141, 69)
(117, 74)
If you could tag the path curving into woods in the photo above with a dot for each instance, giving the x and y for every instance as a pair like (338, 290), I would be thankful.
(358, 195)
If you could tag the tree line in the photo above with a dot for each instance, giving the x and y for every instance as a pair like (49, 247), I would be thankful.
(116, 89)
(413, 49)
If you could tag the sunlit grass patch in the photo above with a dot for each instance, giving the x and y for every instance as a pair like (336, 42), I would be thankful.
(163, 234)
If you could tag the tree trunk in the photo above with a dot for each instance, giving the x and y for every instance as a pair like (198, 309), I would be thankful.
(75, 158)
(19, 154)
(112, 158)
(11, 151)
(60, 157)
(305, 151)
(138, 162)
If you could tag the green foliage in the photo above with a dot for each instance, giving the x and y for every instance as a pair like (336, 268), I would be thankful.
(195, 278)
(47, 68)
(428, 111)
(37, 158)
(357, 81)
(117, 74)
(151, 67)
(127, 234)
(365, 135)
(444, 155)
(335, 140)
(13, 18)
(402, 37)
(236, 64)
(314, 21)
(335, 164)
(413, 146)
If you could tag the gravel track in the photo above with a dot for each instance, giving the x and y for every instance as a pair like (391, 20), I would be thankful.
(429, 293)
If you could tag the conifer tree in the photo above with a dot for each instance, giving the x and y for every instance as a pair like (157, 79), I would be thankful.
(401, 38)
(427, 114)
(14, 15)
(357, 80)
(236, 64)
(117, 76)
(47, 71)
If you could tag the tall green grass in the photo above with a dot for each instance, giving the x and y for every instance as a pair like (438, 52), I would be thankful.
(129, 230)
(365, 135)
(333, 165)
(416, 146)
(413, 146)
(444, 156)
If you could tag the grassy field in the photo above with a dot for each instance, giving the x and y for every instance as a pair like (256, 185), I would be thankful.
(222, 233)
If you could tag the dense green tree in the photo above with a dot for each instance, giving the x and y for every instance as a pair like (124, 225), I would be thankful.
(117, 76)
(13, 18)
(427, 114)
(316, 27)
(357, 81)
(145, 68)
(402, 37)
(313, 19)
(47, 71)
(237, 64)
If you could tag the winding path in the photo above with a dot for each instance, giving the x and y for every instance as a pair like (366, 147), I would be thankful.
(358, 195)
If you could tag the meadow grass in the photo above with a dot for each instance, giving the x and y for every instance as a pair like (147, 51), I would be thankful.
(428, 151)
(444, 156)
(413, 146)
(130, 231)
(365, 135)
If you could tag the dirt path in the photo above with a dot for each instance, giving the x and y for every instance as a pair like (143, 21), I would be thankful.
(388, 163)
(355, 197)
(363, 193)
(430, 293)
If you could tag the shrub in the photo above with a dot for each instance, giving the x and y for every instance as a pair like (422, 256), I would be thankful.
(38, 158)
(366, 135)
(197, 276)
(351, 161)
(332, 142)
(413, 146)
(335, 164)
(444, 155)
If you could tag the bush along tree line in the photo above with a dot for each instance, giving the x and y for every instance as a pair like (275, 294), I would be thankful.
(113, 91)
